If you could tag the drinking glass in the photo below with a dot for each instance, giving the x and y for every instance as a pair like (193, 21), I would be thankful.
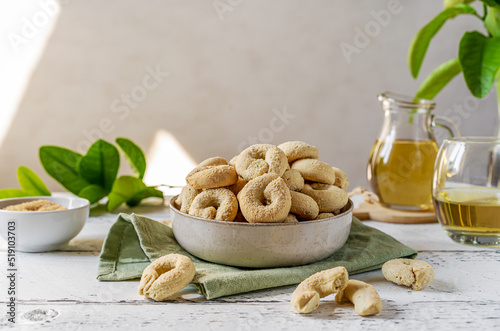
(465, 189)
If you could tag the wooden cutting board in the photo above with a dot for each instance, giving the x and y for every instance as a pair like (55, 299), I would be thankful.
(375, 211)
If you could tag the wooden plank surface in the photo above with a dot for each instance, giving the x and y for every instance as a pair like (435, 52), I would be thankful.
(72, 276)
(59, 291)
(422, 315)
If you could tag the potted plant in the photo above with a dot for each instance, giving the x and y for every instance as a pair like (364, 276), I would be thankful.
(478, 54)
(478, 59)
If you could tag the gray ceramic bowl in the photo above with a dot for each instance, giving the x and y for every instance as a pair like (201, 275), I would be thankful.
(261, 245)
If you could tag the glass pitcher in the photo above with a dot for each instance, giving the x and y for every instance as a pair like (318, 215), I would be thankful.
(401, 162)
(467, 201)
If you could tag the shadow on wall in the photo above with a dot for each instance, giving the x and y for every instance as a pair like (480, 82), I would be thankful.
(216, 80)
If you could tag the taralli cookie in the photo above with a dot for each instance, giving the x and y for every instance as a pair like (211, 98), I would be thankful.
(291, 218)
(217, 203)
(213, 161)
(238, 186)
(265, 199)
(212, 177)
(324, 215)
(364, 297)
(296, 150)
(186, 197)
(232, 162)
(408, 272)
(314, 170)
(303, 206)
(306, 296)
(293, 180)
(177, 202)
(240, 218)
(328, 197)
(166, 276)
(341, 180)
(261, 159)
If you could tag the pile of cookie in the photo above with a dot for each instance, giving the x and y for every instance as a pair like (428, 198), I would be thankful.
(266, 184)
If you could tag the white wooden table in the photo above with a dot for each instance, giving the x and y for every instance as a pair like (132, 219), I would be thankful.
(59, 290)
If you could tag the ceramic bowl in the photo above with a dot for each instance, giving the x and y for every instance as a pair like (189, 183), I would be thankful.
(41, 231)
(261, 245)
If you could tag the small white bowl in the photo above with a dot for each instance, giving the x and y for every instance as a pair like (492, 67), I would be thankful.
(261, 245)
(41, 231)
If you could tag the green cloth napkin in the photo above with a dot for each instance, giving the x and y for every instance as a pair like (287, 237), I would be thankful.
(134, 241)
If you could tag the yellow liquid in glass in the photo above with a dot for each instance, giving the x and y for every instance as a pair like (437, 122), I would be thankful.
(400, 173)
(469, 210)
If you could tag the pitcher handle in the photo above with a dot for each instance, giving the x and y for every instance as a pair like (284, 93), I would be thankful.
(447, 124)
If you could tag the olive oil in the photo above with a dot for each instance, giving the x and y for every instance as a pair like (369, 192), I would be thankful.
(400, 173)
(469, 210)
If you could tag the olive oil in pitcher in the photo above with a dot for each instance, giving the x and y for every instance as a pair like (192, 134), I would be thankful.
(401, 162)
(401, 174)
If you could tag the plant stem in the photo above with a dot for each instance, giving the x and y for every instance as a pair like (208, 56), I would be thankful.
(498, 103)
(169, 186)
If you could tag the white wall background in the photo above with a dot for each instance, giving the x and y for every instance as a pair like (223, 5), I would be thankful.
(228, 74)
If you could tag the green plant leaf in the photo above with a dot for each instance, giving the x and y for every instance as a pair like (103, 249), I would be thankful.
(62, 165)
(149, 192)
(420, 43)
(125, 188)
(152, 192)
(438, 79)
(100, 164)
(480, 59)
(492, 21)
(492, 3)
(7, 193)
(451, 3)
(134, 156)
(30, 183)
(93, 193)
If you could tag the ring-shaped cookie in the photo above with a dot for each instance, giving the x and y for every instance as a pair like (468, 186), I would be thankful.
(238, 186)
(217, 203)
(232, 162)
(303, 206)
(295, 150)
(166, 276)
(265, 199)
(261, 159)
(212, 176)
(291, 218)
(213, 161)
(324, 215)
(240, 218)
(341, 179)
(306, 296)
(415, 273)
(314, 170)
(186, 197)
(328, 197)
(293, 180)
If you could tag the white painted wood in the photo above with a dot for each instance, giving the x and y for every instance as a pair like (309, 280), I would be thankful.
(71, 276)
(464, 293)
(425, 315)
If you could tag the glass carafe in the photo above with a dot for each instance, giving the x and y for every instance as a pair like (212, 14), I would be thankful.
(401, 162)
